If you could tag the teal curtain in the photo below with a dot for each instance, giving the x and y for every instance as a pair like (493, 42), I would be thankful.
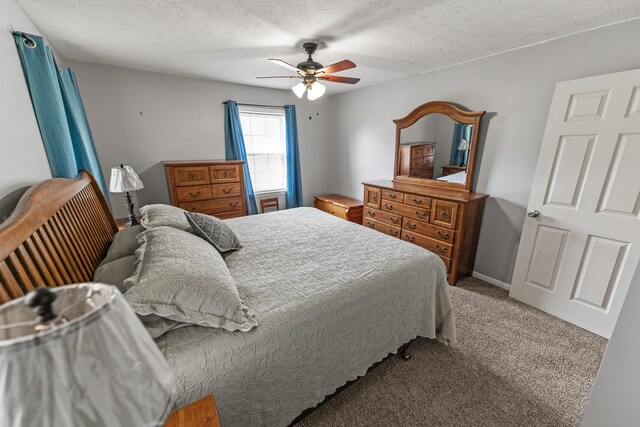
(235, 149)
(59, 111)
(81, 138)
(294, 183)
(460, 132)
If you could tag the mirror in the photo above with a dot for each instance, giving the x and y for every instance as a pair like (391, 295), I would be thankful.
(436, 145)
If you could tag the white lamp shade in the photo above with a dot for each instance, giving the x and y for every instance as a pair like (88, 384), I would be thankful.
(316, 91)
(464, 144)
(299, 89)
(124, 179)
(99, 368)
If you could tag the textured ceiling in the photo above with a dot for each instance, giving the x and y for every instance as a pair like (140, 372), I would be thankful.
(231, 40)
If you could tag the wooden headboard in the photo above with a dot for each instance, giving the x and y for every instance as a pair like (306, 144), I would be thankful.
(58, 234)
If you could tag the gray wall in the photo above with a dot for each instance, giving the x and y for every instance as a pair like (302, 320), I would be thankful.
(23, 161)
(615, 394)
(515, 89)
(140, 118)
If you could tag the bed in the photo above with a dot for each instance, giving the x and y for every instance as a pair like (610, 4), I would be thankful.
(456, 178)
(332, 298)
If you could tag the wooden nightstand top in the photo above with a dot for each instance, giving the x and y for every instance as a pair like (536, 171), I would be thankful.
(122, 222)
(340, 200)
(202, 413)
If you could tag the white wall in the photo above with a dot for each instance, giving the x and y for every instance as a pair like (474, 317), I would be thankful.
(615, 395)
(22, 160)
(142, 118)
(515, 89)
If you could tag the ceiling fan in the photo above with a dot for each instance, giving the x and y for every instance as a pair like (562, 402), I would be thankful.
(310, 72)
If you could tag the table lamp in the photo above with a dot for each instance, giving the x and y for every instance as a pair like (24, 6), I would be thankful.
(123, 180)
(464, 146)
(77, 355)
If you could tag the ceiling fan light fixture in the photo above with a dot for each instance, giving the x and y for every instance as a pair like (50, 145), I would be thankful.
(316, 90)
(299, 89)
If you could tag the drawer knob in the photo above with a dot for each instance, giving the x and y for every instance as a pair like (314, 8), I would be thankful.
(196, 194)
(233, 205)
(395, 220)
(371, 213)
(390, 207)
(224, 174)
(417, 201)
(227, 191)
(393, 196)
(370, 224)
(443, 214)
(442, 235)
(420, 215)
(411, 226)
(441, 249)
(409, 238)
(393, 232)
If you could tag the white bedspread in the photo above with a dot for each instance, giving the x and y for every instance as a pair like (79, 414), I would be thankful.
(331, 298)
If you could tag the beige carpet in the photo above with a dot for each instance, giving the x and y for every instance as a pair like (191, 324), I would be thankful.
(512, 366)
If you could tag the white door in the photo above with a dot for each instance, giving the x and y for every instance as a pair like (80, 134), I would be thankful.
(580, 243)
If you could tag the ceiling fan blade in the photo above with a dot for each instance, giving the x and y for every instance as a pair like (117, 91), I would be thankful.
(284, 64)
(338, 66)
(279, 77)
(338, 79)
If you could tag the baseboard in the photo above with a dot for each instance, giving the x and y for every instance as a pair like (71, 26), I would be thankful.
(492, 281)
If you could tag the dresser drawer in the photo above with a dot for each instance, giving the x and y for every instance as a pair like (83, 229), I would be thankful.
(417, 152)
(447, 262)
(330, 208)
(413, 212)
(382, 227)
(232, 214)
(429, 230)
(191, 175)
(386, 217)
(422, 201)
(424, 171)
(392, 195)
(226, 190)
(435, 246)
(214, 206)
(422, 161)
(444, 213)
(193, 193)
(220, 174)
(372, 197)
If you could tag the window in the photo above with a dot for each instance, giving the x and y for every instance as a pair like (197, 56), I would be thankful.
(264, 139)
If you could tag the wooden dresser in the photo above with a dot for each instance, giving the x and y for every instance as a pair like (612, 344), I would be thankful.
(416, 159)
(446, 222)
(214, 187)
(451, 169)
(340, 206)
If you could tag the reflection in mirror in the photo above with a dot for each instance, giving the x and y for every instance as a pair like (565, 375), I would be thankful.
(436, 147)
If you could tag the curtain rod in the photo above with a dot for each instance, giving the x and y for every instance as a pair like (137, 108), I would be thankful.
(258, 105)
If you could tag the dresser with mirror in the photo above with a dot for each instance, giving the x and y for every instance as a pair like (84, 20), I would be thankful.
(429, 202)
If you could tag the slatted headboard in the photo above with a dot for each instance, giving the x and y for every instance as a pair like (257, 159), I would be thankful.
(57, 235)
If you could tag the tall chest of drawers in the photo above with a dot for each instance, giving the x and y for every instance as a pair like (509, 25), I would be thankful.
(445, 222)
(416, 159)
(214, 187)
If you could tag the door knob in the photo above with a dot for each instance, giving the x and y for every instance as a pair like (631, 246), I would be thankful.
(533, 214)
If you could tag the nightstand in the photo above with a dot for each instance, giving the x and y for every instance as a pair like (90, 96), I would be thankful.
(202, 413)
(122, 222)
(451, 169)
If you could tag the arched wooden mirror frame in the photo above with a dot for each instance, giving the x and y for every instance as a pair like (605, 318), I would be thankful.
(455, 113)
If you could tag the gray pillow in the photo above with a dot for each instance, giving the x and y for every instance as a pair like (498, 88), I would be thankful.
(116, 272)
(214, 231)
(124, 244)
(182, 278)
(164, 216)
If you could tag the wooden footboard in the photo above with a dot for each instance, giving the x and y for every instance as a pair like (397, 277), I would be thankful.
(58, 234)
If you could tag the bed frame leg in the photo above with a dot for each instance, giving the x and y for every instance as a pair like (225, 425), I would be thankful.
(403, 351)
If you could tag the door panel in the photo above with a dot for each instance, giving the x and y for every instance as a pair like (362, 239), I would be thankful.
(577, 257)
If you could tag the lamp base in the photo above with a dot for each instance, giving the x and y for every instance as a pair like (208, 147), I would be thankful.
(132, 217)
